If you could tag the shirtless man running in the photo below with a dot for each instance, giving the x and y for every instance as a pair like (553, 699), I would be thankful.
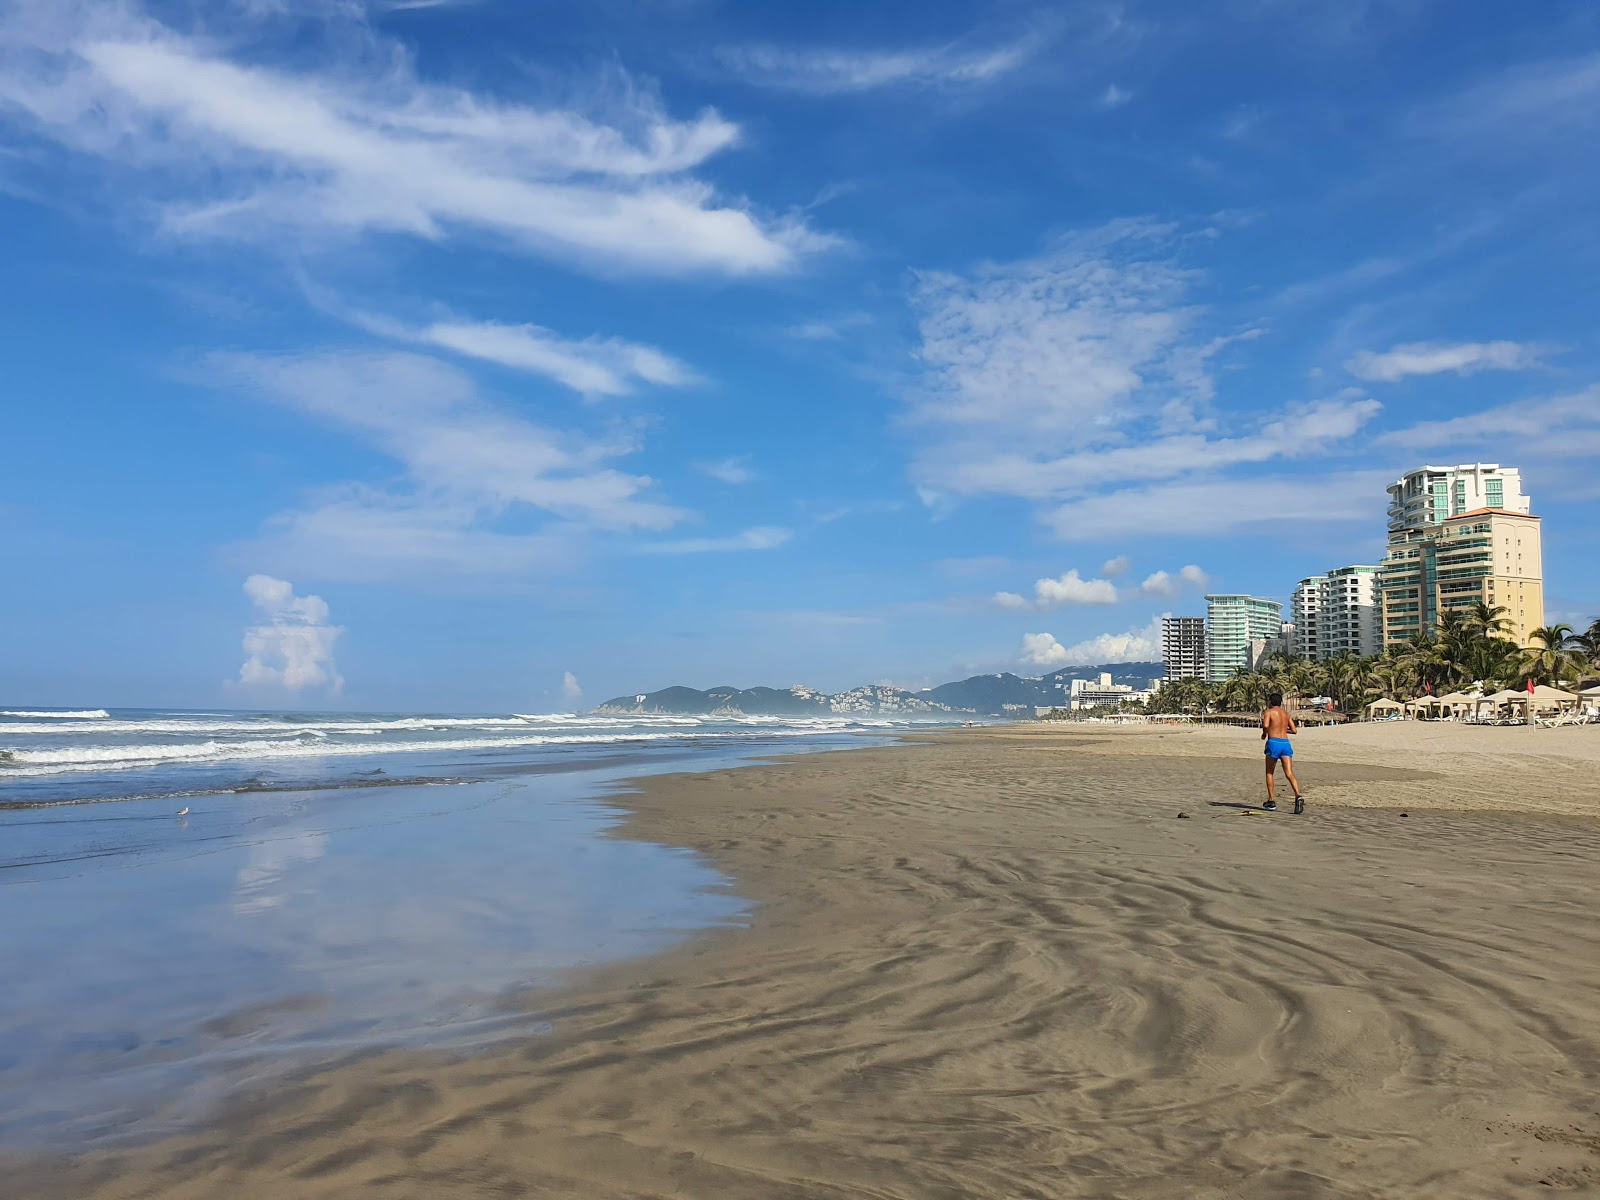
(1276, 726)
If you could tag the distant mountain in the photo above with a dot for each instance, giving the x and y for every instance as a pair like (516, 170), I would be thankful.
(981, 695)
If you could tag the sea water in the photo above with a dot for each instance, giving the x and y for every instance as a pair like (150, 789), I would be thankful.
(339, 883)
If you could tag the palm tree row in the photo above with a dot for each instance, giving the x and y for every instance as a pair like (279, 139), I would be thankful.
(1468, 648)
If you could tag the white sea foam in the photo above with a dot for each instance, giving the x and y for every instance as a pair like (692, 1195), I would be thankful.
(83, 714)
(58, 760)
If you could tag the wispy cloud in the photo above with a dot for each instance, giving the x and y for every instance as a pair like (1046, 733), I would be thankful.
(1518, 106)
(431, 417)
(591, 366)
(763, 537)
(1113, 97)
(1205, 507)
(477, 474)
(836, 71)
(1056, 378)
(1434, 358)
(735, 471)
(224, 147)
(1544, 430)
(370, 535)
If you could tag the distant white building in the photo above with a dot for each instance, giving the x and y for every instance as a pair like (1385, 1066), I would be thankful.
(1102, 693)
(1432, 495)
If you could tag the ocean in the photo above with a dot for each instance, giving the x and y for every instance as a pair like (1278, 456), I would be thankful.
(338, 883)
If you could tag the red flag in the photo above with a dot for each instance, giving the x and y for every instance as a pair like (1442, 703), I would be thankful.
(1530, 685)
(1427, 687)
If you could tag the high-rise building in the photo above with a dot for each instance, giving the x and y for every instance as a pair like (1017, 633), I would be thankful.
(1350, 621)
(1232, 622)
(1183, 647)
(1430, 495)
(1487, 556)
(1338, 613)
(1310, 594)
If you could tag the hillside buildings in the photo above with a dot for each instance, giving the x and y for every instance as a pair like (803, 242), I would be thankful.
(1183, 647)
(1102, 693)
(1232, 622)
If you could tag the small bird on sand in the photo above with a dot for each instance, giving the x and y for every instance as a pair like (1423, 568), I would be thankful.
(184, 811)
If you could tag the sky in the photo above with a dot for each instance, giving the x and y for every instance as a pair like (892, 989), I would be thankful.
(478, 355)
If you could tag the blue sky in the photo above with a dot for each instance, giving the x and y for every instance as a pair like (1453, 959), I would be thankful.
(490, 355)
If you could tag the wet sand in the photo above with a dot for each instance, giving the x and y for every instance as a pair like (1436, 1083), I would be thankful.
(999, 965)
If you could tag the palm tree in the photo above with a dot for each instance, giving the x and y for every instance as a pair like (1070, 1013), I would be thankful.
(1487, 620)
(1551, 658)
(1588, 643)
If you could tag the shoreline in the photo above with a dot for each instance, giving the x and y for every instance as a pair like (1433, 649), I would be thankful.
(976, 969)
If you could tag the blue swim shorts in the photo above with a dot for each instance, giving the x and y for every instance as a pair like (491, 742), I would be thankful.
(1279, 748)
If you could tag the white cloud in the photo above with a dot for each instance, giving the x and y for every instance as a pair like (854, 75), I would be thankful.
(1042, 650)
(452, 441)
(1547, 429)
(763, 537)
(593, 366)
(293, 648)
(837, 72)
(1057, 378)
(1114, 568)
(1053, 348)
(1287, 503)
(735, 471)
(1072, 588)
(1311, 430)
(364, 534)
(571, 692)
(227, 147)
(1136, 645)
(1159, 584)
(1434, 358)
(1114, 97)
(1162, 583)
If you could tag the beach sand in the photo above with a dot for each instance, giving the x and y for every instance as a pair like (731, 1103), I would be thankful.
(999, 965)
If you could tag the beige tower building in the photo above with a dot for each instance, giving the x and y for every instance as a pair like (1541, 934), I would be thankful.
(1488, 555)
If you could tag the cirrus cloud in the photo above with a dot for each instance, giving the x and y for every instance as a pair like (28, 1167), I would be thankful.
(219, 144)
(1435, 358)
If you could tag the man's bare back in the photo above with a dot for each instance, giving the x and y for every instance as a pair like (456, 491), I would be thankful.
(1277, 723)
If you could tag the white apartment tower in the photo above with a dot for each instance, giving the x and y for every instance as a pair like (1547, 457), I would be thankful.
(1433, 495)
(1351, 620)
(1310, 594)
(1183, 647)
(1232, 623)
